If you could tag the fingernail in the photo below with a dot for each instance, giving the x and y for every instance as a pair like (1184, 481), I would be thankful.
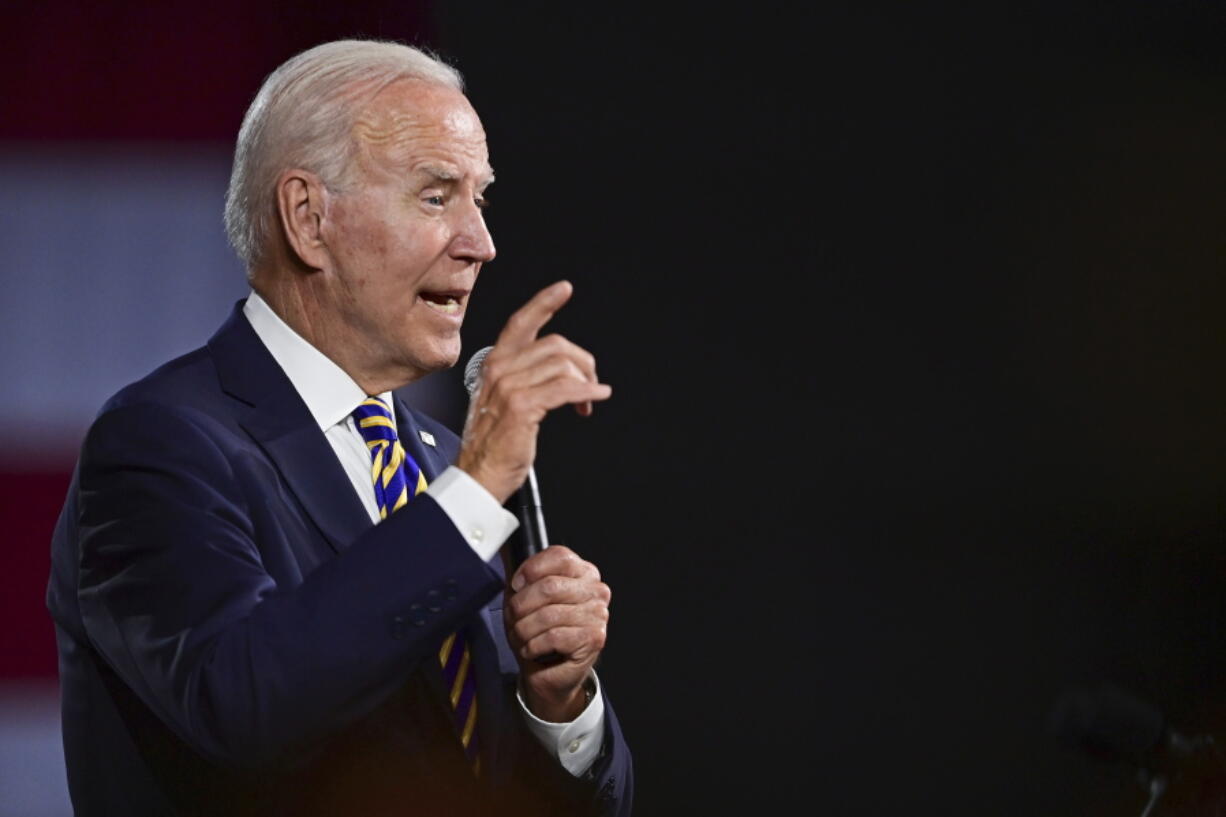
(517, 582)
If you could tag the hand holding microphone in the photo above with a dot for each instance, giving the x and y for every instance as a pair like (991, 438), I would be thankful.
(557, 610)
(522, 379)
(531, 538)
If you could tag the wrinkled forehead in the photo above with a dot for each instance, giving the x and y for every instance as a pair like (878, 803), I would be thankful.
(411, 121)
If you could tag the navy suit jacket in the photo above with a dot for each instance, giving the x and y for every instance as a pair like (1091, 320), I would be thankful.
(236, 637)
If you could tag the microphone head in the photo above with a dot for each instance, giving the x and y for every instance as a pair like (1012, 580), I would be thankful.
(472, 372)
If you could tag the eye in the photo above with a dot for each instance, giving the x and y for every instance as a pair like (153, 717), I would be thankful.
(435, 201)
(482, 202)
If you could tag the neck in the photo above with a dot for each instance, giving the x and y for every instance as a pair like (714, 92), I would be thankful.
(318, 322)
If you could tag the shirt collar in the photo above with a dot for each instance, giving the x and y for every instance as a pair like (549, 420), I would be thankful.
(330, 394)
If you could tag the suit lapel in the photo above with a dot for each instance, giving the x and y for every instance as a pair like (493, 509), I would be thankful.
(432, 459)
(271, 411)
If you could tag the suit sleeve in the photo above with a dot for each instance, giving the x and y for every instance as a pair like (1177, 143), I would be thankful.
(176, 599)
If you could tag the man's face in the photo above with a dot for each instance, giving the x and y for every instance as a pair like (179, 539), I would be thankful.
(407, 237)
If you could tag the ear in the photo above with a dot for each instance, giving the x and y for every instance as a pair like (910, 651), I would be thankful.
(301, 206)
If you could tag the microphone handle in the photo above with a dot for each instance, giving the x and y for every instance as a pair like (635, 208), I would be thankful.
(532, 539)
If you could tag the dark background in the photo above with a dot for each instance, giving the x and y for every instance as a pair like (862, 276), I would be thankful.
(912, 314)
(913, 319)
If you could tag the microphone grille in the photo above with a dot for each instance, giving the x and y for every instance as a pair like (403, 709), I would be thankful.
(472, 372)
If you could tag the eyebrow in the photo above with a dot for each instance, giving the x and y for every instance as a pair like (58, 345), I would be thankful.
(448, 174)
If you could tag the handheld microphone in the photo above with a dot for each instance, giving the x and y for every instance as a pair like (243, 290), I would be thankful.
(531, 537)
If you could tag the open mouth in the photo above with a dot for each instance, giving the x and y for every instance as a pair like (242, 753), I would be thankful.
(448, 302)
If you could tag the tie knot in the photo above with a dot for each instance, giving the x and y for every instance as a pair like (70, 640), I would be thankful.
(374, 421)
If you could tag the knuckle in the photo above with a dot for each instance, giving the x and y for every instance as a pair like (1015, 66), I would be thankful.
(558, 365)
(575, 371)
(551, 586)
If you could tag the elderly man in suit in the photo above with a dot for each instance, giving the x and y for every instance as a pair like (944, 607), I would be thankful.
(277, 589)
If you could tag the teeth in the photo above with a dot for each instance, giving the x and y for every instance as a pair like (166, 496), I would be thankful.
(450, 308)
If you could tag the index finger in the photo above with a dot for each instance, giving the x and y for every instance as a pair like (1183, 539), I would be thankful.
(523, 326)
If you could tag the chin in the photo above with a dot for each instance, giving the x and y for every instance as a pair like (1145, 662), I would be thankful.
(440, 356)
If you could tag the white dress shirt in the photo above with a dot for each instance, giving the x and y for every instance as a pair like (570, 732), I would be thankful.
(331, 396)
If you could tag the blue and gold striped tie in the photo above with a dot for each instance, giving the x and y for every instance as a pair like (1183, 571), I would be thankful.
(397, 479)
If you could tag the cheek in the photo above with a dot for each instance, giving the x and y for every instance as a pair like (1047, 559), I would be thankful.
(370, 265)
(386, 261)
(360, 240)
(371, 244)
(410, 255)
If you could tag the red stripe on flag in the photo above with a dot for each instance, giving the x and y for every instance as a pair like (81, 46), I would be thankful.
(78, 70)
(29, 506)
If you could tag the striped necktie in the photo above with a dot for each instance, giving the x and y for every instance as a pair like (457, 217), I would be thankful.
(397, 479)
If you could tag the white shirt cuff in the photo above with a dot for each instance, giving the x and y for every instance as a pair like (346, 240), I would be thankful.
(483, 523)
(577, 744)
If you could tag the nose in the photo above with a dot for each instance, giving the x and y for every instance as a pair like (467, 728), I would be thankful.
(472, 240)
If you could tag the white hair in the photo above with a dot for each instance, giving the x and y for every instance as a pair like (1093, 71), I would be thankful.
(302, 117)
